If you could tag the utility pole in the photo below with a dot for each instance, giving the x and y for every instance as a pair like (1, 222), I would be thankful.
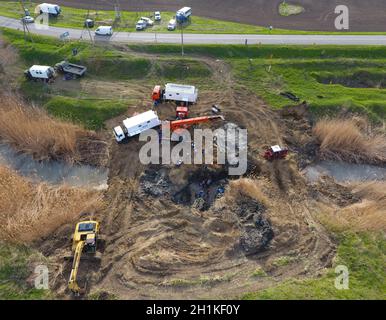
(182, 39)
(25, 26)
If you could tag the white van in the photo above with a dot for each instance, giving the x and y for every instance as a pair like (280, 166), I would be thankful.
(104, 31)
(51, 9)
(172, 24)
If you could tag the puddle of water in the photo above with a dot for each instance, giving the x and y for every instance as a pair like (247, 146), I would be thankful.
(54, 172)
(344, 172)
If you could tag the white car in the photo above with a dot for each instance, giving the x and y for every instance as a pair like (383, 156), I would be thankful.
(104, 31)
(157, 16)
(27, 19)
(172, 25)
(148, 21)
(141, 25)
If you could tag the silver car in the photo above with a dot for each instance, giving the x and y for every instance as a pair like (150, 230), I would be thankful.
(27, 19)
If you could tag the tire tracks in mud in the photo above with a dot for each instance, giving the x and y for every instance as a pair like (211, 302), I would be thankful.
(153, 241)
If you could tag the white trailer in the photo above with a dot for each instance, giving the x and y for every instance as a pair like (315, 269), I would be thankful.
(136, 124)
(51, 9)
(180, 92)
(37, 72)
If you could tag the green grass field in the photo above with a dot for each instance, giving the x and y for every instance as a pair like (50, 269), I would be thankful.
(74, 18)
(362, 253)
(15, 269)
(320, 75)
(270, 70)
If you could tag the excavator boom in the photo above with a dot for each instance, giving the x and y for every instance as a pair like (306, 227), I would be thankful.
(72, 284)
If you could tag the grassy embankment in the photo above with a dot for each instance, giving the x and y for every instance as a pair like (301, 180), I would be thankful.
(270, 70)
(74, 18)
(109, 67)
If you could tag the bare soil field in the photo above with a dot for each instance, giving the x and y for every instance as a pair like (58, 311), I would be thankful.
(161, 242)
(318, 15)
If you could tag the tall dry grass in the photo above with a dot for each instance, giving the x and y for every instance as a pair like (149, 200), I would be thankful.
(29, 212)
(31, 130)
(248, 187)
(366, 215)
(346, 139)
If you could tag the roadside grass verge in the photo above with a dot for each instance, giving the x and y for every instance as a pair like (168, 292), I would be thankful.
(362, 253)
(15, 269)
(271, 70)
(74, 18)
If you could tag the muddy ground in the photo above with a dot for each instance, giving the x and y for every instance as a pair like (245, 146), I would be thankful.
(191, 231)
(319, 15)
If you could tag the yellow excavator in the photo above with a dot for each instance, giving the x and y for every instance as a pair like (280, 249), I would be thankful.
(84, 241)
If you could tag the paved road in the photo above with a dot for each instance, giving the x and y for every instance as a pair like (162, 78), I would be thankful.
(141, 37)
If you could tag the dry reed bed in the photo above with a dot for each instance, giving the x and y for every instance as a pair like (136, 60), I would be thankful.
(32, 131)
(29, 212)
(350, 140)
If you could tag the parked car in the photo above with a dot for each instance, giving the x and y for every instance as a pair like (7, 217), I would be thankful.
(89, 23)
(141, 25)
(157, 16)
(148, 21)
(27, 19)
(104, 31)
(172, 24)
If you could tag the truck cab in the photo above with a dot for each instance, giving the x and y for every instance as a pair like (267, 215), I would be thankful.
(119, 134)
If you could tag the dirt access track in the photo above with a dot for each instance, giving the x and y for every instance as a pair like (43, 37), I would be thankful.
(318, 16)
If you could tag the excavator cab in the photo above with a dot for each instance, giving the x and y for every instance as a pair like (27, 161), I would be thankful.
(84, 241)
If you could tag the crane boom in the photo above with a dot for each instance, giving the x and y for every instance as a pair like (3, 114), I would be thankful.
(186, 123)
(72, 284)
